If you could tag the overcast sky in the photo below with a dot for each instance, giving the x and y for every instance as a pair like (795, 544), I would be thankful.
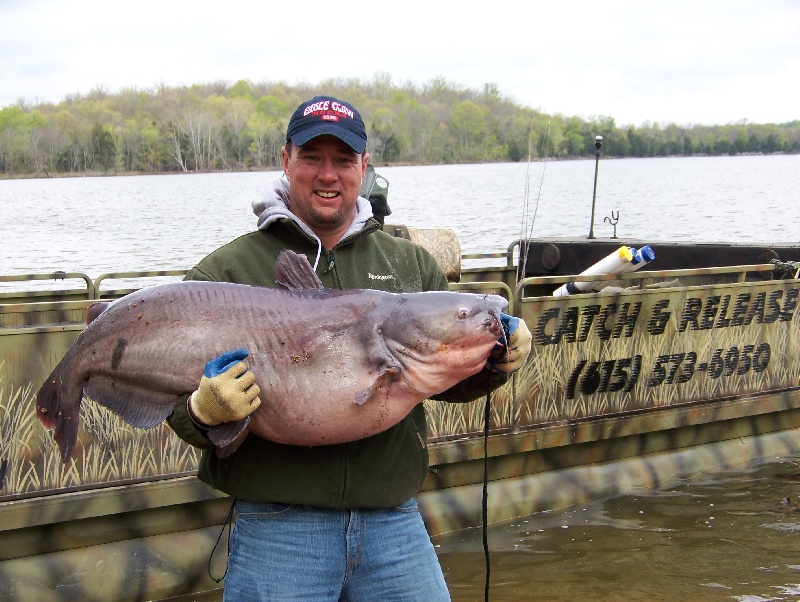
(682, 61)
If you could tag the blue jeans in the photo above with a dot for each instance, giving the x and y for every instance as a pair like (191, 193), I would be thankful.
(285, 553)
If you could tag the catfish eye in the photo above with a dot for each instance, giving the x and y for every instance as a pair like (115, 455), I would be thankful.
(462, 313)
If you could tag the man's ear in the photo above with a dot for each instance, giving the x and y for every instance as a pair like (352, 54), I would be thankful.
(285, 161)
(364, 163)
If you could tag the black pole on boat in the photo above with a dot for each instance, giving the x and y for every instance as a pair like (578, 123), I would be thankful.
(598, 142)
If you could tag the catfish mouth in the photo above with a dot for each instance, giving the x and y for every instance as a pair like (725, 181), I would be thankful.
(492, 322)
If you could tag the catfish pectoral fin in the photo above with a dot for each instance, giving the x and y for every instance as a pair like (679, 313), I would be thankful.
(385, 378)
(228, 436)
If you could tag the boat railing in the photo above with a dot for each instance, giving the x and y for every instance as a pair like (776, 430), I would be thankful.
(56, 285)
(508, 256)
(142, 279)
(54, 291)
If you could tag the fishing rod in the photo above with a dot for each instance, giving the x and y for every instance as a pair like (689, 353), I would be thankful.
(526, 235)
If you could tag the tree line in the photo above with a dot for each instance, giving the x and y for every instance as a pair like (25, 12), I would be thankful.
(221, 126)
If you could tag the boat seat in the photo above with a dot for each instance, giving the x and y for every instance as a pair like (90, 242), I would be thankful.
(443, 244)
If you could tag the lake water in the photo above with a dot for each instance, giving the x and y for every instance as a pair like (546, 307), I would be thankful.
(716, 537)
(726, 537)
(99, 225)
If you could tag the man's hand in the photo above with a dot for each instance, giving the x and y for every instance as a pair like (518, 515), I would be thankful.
(227, 391)
(512, 353)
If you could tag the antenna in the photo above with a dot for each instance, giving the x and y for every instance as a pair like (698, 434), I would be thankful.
(598, 142)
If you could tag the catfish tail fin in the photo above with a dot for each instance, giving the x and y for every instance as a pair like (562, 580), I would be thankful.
(54, 414)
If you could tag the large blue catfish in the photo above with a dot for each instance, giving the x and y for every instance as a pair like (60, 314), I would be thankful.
(333, 366)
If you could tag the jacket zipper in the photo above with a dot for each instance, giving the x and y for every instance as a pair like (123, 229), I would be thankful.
(331, 262)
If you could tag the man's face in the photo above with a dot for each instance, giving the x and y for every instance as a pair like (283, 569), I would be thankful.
(325, 177)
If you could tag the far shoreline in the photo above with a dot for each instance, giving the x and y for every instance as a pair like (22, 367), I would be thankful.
(104, 174)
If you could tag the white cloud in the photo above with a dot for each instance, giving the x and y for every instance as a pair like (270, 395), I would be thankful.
(684, 61)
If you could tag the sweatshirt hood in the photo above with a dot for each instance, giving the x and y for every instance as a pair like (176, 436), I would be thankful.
(274, 206)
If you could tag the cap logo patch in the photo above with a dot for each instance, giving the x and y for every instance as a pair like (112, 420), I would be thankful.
(327, 106)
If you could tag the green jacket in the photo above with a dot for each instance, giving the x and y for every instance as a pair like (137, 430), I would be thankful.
(378, 472)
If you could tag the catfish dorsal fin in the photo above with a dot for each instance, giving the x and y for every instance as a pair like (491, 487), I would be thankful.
(95, 309)
(295, 272)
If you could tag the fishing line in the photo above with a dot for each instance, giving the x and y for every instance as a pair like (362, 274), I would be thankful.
(526, 194)
(487, 406)
(485, 498)
(228, 522)
(526, 236)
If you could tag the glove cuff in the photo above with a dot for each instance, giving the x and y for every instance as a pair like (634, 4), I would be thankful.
(193, 414)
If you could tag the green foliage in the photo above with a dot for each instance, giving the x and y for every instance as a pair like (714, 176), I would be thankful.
(219, 126)
(241, 88)
(103, 146)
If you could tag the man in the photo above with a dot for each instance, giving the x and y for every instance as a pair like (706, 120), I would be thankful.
(336, 522)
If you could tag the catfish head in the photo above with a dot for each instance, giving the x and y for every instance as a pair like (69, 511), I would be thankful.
(441, 338)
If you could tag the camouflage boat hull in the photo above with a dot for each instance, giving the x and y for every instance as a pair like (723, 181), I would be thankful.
(672, 373)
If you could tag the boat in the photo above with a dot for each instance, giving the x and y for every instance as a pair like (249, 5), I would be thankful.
(636, 379)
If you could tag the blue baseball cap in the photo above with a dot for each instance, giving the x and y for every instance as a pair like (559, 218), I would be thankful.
(327, 115)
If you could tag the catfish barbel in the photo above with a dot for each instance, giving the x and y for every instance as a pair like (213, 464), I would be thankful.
(333, 366)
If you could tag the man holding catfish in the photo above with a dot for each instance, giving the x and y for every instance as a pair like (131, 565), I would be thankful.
(329, 522)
